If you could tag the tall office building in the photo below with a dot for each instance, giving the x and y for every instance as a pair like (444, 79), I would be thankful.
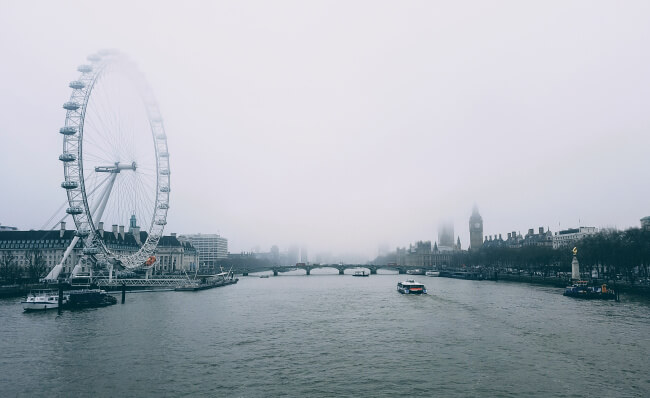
(209, 247)
(475, 230)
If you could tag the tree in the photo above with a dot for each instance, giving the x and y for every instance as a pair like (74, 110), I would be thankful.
(35, 265)
(9, 271)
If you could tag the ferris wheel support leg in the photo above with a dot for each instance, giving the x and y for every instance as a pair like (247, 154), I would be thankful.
(110, 273)
(54, 274)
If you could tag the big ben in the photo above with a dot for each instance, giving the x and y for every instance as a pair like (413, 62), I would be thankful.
(475, 230)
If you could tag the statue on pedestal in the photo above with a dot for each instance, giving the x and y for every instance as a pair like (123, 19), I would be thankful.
(575, 265)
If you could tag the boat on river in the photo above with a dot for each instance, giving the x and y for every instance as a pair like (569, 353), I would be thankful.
(416, 271)
(220, 279)
(582, 290)
(410, 286)
(41, 300)
(362, 272)
(432, 273)
(89, 298)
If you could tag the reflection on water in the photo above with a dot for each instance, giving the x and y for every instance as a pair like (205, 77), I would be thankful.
(331, 335)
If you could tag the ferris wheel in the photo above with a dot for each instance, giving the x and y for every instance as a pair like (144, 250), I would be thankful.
(115, 161)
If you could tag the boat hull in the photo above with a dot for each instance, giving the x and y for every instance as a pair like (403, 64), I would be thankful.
(38, 306)
(582, 290)
(412, 291)
(43, 300)
(591, 295)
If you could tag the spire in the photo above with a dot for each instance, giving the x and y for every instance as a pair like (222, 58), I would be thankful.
(458, 243)
(132, 222)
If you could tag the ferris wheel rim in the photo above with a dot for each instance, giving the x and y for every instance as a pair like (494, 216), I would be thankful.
(73, 161)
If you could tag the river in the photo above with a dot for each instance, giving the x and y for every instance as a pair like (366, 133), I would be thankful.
(330, 336)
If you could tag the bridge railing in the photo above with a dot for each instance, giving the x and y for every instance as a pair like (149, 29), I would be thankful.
(159, 282)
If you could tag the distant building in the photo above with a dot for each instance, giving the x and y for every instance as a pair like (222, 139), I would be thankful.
(475, 230)
(515, 240)
(174, 254)
(446, 235)
(569, 237)
(417, 255)
(540, 239)
(210, 248)
(645, 223)
(495, 241)
(19, 248)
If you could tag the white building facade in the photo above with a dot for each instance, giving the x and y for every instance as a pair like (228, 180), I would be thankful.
(210, 248)
(570, 237)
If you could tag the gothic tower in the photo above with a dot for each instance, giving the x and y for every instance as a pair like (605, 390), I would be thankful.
(475, 230)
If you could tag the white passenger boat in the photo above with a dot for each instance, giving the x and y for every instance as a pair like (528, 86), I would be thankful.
(415, 272)
(433, 273)
(410, 286)
(40, 300)
(362, 272)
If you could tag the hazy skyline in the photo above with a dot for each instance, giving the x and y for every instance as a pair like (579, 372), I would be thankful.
(345, 125)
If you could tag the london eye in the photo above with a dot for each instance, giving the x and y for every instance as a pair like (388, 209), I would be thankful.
(115, 161)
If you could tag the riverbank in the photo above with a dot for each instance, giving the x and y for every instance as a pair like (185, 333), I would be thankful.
(626, 288)
(23, 290)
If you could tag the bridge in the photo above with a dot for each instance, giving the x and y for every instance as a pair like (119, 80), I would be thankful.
(402, 269)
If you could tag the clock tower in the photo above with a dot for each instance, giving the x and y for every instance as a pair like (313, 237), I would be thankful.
(475, 230)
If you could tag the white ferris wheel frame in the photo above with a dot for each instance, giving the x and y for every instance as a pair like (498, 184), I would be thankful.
(72, 158)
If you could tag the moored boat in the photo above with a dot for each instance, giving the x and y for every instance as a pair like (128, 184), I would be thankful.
(581, 289)
(40, 300)
(432, 273)
(410, 286)
(415, 271)
(220, 279)
(89, 298)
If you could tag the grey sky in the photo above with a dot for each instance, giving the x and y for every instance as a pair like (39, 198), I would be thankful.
(346, 124)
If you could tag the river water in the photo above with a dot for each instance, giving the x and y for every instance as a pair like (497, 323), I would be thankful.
(330, 336)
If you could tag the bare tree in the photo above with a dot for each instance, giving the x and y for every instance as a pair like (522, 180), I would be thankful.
(9, 271)
(35, 264)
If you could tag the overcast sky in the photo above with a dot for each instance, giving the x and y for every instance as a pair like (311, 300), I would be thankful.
(344, 125)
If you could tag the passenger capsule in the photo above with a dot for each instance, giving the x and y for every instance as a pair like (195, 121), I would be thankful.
(69, 184)
(164, 155)
(77, 85)
(84, 68)
(82, 233)
(67, 157)
(164, 189)
(161, 136)
(74, 210)
(164, 172)
(93, 58)
(71, 106)
(163, 206)
(68, 130)
(161, 222)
